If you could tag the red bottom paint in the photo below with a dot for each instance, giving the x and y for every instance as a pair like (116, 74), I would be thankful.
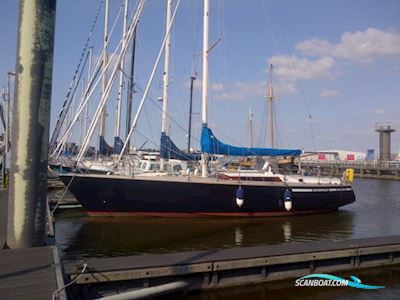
(204, 214)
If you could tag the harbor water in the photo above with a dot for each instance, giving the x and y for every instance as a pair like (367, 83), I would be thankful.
(375, 213)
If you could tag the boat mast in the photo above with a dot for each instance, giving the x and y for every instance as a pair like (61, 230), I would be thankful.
(205, 81)
(86, 117)
(121, 80)
(81, 116)
(166, 77)
(251, 127)
(271, 114)
(192, 79)
(130, 92)
(104, 97)
(146, 90)
(102, 129)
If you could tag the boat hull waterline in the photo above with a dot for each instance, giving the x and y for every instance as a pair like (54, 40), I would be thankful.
(108, 195)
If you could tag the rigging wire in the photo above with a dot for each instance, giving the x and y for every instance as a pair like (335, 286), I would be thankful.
(107, 90)
(90, 89)
(142, 101)
(143, 50)
(195, 40)
(196, 61)
(262, 137)
(67, 100)
(221, 66)
(278, 128)
(301, 89)
(269, 26)
(170, 117)
(148, 121)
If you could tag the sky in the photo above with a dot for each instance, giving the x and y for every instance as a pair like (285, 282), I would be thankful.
(336, 68)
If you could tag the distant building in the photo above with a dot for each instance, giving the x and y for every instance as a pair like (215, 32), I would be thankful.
(328, 155)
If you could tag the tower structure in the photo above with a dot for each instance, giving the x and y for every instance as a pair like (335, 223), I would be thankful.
(384, 141)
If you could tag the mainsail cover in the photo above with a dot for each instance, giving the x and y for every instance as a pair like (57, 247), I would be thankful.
(169, 150)
(105, 149)
(210, 144)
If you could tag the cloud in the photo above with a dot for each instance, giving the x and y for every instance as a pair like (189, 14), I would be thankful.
(379, 111)
(287, 87)
(361, 46)
(329, 93)
(291, 68)
(243, 90)
(217, 86)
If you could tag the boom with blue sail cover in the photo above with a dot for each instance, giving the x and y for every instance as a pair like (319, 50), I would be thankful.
(210, 144)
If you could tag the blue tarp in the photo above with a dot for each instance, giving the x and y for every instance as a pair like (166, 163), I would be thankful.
(169, 150)
(210, 144)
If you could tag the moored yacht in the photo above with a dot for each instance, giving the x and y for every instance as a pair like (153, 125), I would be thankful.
(206, 195)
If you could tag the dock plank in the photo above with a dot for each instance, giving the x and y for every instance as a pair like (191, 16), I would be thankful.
(3, 217)
(27, 273)
(217, 255)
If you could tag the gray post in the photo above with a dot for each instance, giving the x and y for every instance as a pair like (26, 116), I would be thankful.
(28, 176)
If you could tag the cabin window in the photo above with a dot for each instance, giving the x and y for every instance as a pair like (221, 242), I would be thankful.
(177, 168)
(154, 167)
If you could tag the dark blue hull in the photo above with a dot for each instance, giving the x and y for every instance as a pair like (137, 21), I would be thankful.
(174, 196)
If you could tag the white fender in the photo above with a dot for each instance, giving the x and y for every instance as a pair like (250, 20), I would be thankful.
(288, 205)
(239, 202)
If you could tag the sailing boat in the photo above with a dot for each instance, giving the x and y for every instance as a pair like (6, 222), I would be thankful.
(189, 195)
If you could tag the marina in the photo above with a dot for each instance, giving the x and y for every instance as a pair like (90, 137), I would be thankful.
(199, 150)
(344, 245)
(362, 169)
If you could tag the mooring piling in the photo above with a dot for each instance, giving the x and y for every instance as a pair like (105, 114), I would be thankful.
(31, 121)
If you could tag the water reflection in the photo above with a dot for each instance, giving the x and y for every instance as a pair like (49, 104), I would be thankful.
(86, 236)
(287, 231)
(238, 236)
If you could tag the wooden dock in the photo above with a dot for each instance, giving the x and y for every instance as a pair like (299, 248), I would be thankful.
(31, 273)
(228, 267)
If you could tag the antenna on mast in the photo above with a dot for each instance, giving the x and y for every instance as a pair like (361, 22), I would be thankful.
(250, 128)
